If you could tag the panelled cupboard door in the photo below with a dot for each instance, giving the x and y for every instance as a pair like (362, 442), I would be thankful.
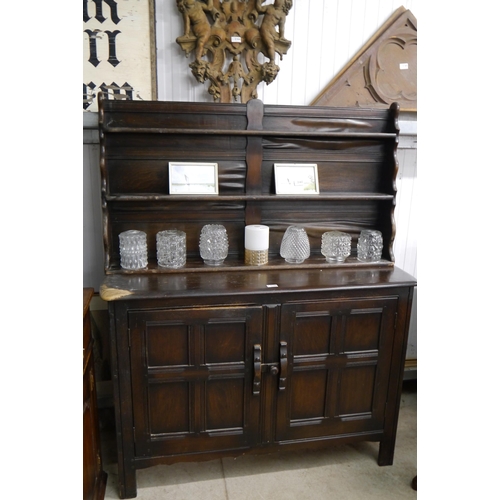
(192, 376)
(337, 367)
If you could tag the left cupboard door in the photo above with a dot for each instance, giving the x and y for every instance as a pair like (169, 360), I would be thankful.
(192, 377)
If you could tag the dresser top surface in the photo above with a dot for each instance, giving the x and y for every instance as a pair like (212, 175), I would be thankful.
(157, 286)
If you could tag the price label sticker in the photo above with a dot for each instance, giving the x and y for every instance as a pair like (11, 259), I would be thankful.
(236, 39)
(272, 286)
(403, 66)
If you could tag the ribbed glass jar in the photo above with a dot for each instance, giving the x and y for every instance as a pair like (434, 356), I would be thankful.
(133, 249)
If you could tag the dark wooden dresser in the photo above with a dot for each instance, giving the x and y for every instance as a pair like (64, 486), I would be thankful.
(94, 478)
(211, 362)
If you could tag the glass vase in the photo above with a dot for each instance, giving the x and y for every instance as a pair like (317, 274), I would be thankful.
(214, 244)
(171, 248)
(133, 249)
(370, 245)
(295, 247)
(336, 246)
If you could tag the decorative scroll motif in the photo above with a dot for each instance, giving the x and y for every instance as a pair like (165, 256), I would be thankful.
(227, 37)
(382, 72)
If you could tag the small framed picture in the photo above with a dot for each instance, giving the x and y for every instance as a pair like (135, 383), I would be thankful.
(296, 178)
(193, 178)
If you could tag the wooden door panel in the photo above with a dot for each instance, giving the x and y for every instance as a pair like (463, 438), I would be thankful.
(338, 367)
(319, 343)
(356, 390)
(168, 346)
(225, 343)
(168, 405)
(309, 394)
(192, 375)
(225, 404)
(362, 330)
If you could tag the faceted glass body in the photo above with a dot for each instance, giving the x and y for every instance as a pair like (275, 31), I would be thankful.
(336, 246)
(370, 245)
(295, 247)
(214, 244)
(133, 249)
(171, 248)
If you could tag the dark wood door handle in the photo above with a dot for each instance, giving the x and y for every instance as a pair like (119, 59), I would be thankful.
(257, 368)
(283, 365)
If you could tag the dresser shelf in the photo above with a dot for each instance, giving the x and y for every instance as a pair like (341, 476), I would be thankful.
(227, 197)
(367, 136)
(196, 264)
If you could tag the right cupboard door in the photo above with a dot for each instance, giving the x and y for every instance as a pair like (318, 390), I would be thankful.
(334, 379)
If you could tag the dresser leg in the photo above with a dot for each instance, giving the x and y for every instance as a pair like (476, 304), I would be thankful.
(414, 483)
(127, 483)
(386, 452)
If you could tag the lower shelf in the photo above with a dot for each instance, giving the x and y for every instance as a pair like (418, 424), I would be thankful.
(235, 264)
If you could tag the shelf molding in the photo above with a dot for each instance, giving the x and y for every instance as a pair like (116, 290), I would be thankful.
(252, 133)
(196, 265)
(221, 198)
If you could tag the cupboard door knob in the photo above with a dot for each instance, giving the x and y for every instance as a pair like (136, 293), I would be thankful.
(257, 368)
(274, 370)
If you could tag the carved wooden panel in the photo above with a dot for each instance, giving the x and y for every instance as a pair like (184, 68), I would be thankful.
(192, 378)
(382, 72)
(338, 371)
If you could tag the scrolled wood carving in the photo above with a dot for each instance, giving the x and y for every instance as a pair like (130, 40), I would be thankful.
(227, 37)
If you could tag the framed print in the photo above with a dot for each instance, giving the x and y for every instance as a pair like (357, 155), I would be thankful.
(119, 51)
(296, 178)
(193, 178)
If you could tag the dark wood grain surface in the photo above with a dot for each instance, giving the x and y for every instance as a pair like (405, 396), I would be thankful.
(220, 283)
(210, 362)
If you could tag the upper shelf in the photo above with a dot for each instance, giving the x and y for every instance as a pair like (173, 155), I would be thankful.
(251, 119)
(366, 136)
(244, 197)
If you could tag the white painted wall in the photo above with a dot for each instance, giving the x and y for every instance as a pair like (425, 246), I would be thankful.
(325, 35)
